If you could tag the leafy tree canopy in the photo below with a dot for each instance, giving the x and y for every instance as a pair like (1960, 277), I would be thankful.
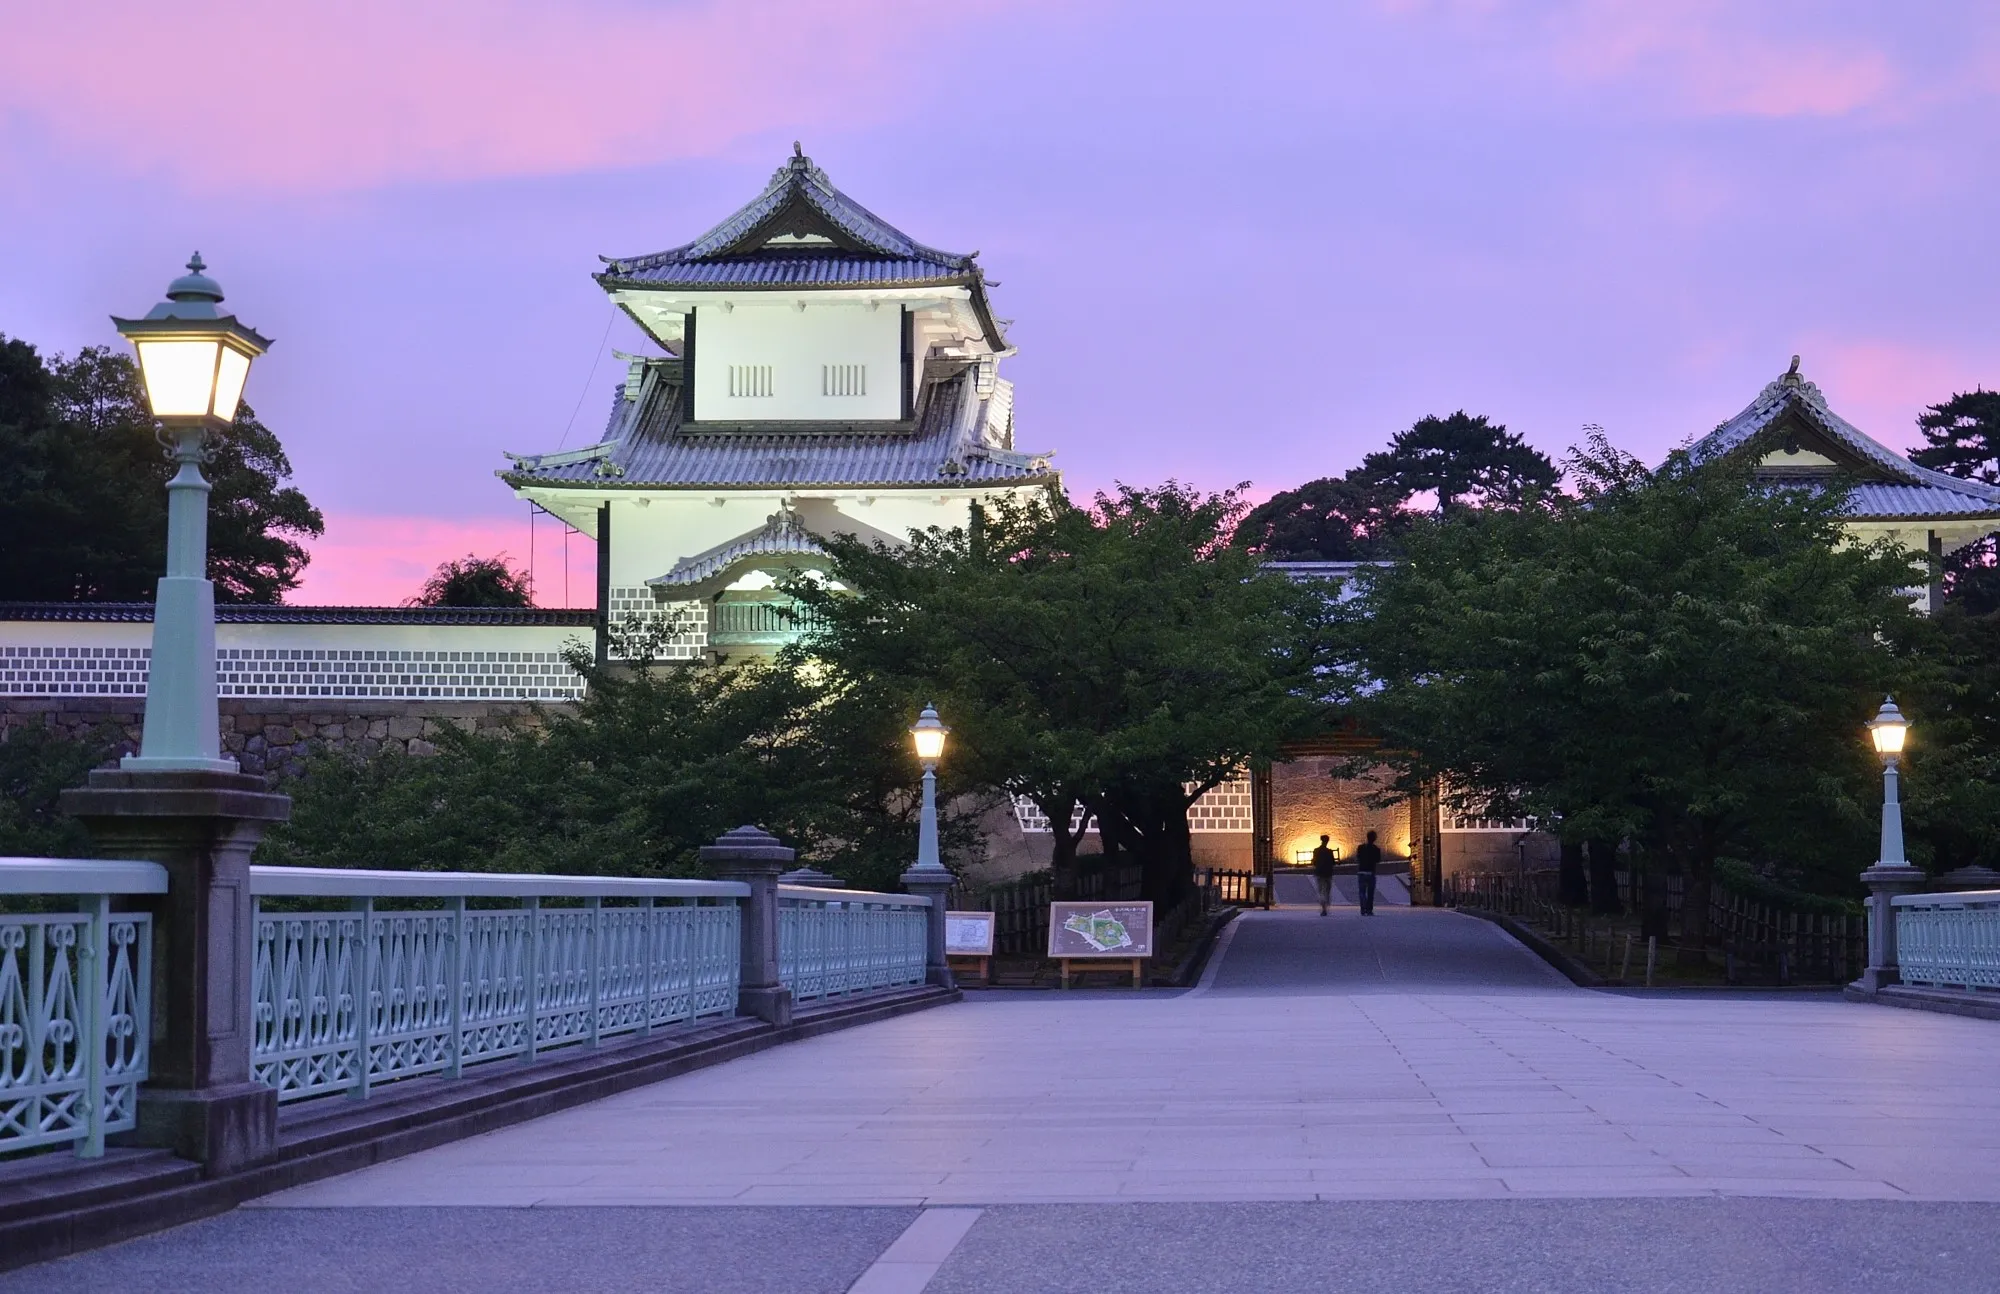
(473, 581)
(1462, 459)
(1121, 656)
(1352, 518)
(1962, 438)
(1673, 657)
(83, 499)
(654, 763)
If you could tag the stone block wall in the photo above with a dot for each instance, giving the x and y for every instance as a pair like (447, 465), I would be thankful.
(273, 736)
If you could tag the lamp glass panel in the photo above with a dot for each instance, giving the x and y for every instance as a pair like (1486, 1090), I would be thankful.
(930, 742)
(229, 378)
(1888, 737)
(180, 376)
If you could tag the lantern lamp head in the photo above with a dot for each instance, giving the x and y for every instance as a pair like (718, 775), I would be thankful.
(928, 734)
(1888, 729)
(193, 358)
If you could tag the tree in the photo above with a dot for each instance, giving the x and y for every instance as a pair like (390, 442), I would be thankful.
(83, 499)
(1962, 439)
(1461, 458)
(1121, 657)
(1675, 658)
(654, 763)
(474, 581)
(36, 764)
(1351, 518)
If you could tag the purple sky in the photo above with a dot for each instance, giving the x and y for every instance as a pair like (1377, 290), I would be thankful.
(1239, 242)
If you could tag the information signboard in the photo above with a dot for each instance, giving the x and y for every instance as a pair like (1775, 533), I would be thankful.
(1121, 931)
(968, 934)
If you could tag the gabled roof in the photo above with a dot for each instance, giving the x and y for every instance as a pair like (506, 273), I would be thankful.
(781, 541)
(1885, 485)
(801, 232)
(644, 446)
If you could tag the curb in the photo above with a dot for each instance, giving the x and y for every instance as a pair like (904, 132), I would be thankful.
(67, 1206)
(1188, 973)
(1977, 1006)
(1571, 969)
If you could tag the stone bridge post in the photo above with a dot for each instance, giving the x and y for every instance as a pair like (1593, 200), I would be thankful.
(754, 857)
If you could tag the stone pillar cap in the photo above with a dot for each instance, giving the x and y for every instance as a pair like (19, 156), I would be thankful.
(746, 844)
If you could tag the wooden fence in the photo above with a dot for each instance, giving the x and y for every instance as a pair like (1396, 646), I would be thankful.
(1751, 936)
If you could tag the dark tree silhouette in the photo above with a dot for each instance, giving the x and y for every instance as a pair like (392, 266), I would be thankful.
(473, 581)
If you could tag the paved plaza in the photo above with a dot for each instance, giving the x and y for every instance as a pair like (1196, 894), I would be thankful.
(1384, 1099)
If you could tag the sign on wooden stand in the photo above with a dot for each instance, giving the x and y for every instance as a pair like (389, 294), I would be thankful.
(1101, 936)
(968, 938)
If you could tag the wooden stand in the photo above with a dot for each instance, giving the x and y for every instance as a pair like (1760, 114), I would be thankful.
(1078, 965)
(963, 965)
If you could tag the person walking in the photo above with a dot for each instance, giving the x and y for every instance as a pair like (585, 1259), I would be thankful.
(1323, 872)
(1366, 859)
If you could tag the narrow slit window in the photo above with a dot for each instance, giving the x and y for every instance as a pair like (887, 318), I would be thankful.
(750, 381)
(843, 379)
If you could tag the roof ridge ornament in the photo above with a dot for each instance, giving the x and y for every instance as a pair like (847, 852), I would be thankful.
(1791, 377)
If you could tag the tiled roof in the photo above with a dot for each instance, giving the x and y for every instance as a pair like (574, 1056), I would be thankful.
(868, 250)
(243, 614)
(645, 445)
(1898, 488)
(781, 536)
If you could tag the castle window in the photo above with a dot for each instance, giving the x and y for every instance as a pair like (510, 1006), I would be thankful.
(750, 381)
(843, 379)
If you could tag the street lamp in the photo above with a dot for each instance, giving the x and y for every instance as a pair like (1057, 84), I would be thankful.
(194, 360)
(1887, 731)
(928, 736)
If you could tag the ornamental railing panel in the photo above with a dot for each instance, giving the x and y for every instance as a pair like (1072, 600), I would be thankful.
(836, 942)
(363, 978)
(75, 998)
(1949, 940)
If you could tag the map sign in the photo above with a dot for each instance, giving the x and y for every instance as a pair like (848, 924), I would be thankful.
(968, 934)
(1091, 929)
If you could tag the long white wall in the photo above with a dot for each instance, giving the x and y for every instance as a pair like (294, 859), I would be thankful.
(445, 662)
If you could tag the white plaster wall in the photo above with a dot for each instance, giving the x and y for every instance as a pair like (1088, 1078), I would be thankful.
(649, 533)
(796, 343)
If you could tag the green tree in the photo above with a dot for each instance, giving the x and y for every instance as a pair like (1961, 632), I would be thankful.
(654, 763)
(1673, 657)
(473, 581)
(1351, 518)
(1461, 459)
(1962, 438)
(1122, 657)
(36, 764)
(83, 499)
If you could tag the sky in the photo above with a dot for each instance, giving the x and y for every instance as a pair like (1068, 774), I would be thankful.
(1239, 243)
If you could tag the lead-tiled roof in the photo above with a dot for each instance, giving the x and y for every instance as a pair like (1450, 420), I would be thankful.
(645, 445)
(1898, 488)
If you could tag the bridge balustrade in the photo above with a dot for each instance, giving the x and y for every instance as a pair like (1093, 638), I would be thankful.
(365, 977)
(836, 942)
(1949, 940)
(75, 1000)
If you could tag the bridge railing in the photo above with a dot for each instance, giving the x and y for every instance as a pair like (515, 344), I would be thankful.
(1949, 940)
(366, 977)
(835, 942)
(75, 1000)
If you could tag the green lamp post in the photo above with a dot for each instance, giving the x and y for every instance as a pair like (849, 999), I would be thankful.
(930, 878)
(194, 360)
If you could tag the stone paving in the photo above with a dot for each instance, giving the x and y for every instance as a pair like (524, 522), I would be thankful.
(1417, 1054)
(1410, 1100)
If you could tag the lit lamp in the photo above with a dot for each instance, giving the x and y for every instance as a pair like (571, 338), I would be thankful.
(928, 736)
(1892, 874)
(1302, 856)
(1888, 730)
(193, 360)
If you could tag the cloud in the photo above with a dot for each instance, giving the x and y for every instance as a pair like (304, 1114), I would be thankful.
(1881, 386)
(371, 560)
(312, 95)
(1704, 57)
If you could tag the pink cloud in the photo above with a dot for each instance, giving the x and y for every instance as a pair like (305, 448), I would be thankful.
(313, 95)
(1719, 58)
(375, 561)
(1881, 386)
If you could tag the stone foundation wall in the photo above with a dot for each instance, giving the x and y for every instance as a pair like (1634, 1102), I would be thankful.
(273, 736)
